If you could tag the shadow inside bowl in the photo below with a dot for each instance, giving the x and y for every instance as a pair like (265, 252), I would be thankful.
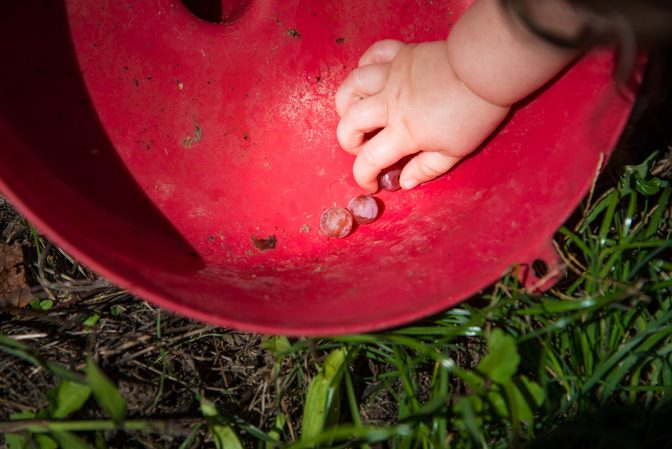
(58, 164)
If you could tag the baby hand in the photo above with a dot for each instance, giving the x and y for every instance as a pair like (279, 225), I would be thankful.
(411, 94)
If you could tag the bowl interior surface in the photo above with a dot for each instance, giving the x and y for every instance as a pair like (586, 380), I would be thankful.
(158, 148)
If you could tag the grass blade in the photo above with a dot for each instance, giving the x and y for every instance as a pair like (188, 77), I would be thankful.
(106, 393)
(17, 349)
(660, 325)
(323, 397)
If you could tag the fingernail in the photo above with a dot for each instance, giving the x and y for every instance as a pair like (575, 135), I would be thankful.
(410, 183)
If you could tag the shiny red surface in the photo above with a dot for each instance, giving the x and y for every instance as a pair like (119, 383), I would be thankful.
(160, 149)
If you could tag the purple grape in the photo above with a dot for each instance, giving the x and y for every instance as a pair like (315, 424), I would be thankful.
(388, 179)
(363, 208)
(336, 222)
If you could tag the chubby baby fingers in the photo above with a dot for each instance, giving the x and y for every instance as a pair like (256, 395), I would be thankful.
(383, 150)
(381, 52)
(426, 166)
(362, 117)
(361, 83)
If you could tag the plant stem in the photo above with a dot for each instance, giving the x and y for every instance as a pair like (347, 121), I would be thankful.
(174, 426)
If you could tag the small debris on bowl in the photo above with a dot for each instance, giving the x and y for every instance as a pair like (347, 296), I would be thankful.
(263, 244)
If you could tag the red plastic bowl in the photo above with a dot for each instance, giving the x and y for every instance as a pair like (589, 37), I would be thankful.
(162, 150)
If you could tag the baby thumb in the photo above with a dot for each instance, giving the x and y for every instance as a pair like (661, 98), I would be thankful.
(426, 166)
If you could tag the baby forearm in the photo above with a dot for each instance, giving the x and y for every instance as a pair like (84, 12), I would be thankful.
(501, 61)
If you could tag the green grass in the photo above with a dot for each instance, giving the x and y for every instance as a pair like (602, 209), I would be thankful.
(587, 364)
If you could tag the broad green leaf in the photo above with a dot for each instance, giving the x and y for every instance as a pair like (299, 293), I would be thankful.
(16, 441)
(225, 437)
(526, 400)
(634, 173)
(277, 345)
(495, 397)
(502, 360)
(518, 399)
(106, 393)
(531, 390)
(649, 187)
(69, 397)
(68, 440)
(45, 441)
(323, 397)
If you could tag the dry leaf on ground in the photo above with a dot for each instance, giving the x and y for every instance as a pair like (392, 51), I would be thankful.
(13, 288)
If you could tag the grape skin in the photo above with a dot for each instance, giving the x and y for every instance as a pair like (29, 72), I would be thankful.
(363, 208)
(336, 222)
(389, 179)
